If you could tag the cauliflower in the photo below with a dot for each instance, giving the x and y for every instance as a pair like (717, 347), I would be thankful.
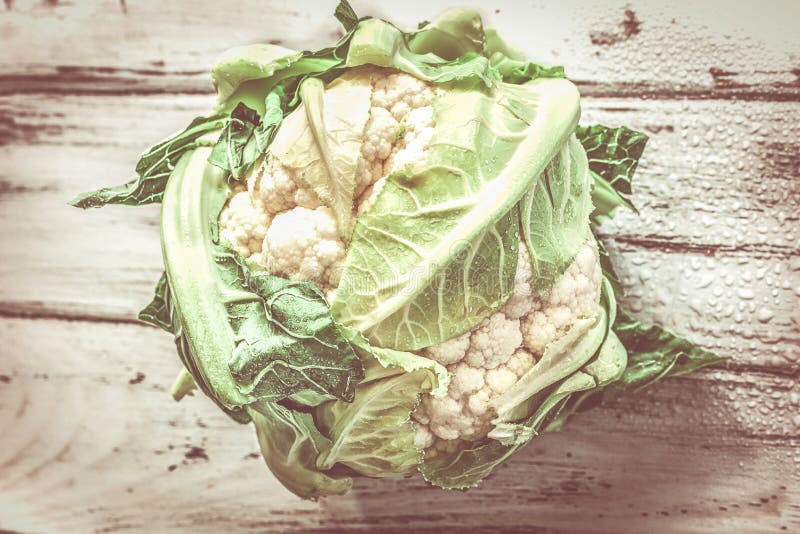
(242, 224)
(314, 254)
(280, 223)
(274, 188)
(278, 220)
(390, 172)
(492, 357)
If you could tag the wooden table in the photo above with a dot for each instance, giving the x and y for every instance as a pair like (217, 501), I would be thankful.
(91, 442)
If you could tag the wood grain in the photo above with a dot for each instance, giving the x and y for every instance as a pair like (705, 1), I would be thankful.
(700, 454)
(90, 440)
(711, 49)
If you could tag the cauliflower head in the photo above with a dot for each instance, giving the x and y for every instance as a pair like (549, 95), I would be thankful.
(279, 223)
(490, 359)
(382, 253)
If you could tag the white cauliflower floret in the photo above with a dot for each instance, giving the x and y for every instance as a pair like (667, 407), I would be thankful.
(399, 92)
(451, 351)
(520, 362)
(464, 412)
(493, 341)
(243, 225)
(499, 380)
(379, 137)
(411, 138)
(280, 222)
(487, 361)
(448, 418)
(417, 131)
(465, 380)
(423, 438)
(479, 402)
(370, 195)
(398, 131)
(573, 296)
(304, 244)
(275, 190)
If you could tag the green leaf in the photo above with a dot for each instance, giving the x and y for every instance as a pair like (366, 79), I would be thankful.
(511, 64)
(155, 166)
(453, 47)
(497, 46)
(525, 71)
(157, 313)
(373, 435)
(607, 267)
(377, 42)
(246, 136)
(455, 33)
(613, 155)
(654, 352)
(238, 143)
(607, 367)
(250, 62)
(244, 337)
(321, 141)
(437, 252)
(344, 13)
(380, 362)
(247, 74)
(555, 214)
(606, 200)
(291, 444)
(287, 341)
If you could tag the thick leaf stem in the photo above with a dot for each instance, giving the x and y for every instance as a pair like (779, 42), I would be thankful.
(183, 385)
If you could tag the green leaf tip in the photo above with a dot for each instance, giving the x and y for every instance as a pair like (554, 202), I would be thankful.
(345, 15)
(613, 155)
(655, 352)
(155, 167)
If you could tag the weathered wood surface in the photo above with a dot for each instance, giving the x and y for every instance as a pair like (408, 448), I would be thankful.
(89, 436)
(713, 49)
(90, 441)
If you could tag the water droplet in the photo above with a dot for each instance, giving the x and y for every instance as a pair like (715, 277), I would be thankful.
(764, 315)
(745, 293)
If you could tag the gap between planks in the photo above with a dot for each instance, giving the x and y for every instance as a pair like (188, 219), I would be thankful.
(111, 81)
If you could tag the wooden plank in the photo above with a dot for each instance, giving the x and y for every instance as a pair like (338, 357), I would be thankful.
(742, 154)
(90, 438)
(703, 268)
(639, 48)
